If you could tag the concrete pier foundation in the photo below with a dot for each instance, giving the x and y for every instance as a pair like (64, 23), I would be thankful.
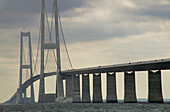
(25, 94)
(85, 89)
(50, 98)
(155, 87)
(59, 89)
(130, 90)
(76, 88)
(19, 96)
(111, 88)
(69, 89)
(97, 95)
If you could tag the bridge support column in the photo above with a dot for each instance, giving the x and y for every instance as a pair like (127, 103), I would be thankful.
(97, 95)
(19, 96)
(25, 94)
(41, 87)
(54, 46)
(155, 87)
(59, 89)
(130, 91)
(76, 92)
(59, 86)
(69, 89)
(85, 89)
(111, 88)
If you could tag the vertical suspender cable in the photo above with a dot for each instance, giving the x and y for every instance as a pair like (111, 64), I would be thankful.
(65, 45)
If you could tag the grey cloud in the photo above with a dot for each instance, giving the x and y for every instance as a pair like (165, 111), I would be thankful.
(22, 6)
(26, 13)
(17, 20)
(33, 6)
(65, 5)
(155, 11)
(123, 22)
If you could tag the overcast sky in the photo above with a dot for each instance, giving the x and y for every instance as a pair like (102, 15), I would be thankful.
(98, 32)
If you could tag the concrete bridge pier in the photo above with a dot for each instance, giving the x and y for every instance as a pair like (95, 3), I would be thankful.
(130, 91)
(111, 88)
(69, 89)
(19, 96)
(59, 89)
(25, 94)
(155, 87)
(85, 89)
(97, 94)
(76, 88)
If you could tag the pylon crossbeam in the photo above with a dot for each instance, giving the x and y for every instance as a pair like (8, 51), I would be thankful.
(50, 46)
(25, 34)
(26, 66)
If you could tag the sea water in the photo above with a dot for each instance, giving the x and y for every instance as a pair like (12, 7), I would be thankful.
(88, 107)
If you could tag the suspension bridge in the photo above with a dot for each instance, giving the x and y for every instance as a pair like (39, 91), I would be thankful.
(72, 76)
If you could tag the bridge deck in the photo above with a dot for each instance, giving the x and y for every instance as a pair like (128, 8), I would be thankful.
(162, 64)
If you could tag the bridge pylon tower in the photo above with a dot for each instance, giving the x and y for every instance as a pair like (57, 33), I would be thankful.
(25, 66)
(46, 46)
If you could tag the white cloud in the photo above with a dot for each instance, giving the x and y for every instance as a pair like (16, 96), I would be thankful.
(102, 20)
(146, 46)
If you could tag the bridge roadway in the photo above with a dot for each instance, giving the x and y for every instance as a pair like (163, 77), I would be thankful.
(162, 64)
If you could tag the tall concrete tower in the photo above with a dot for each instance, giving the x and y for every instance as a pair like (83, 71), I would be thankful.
(41, 88)
(25, 66)
(56, 46)
(59, 80)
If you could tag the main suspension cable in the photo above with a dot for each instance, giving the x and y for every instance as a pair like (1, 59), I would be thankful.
(50, 33)
(38, 47)
(50, 41)
(65, 45)
(26, 62)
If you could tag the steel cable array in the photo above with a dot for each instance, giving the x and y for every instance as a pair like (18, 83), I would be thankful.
(50, 41)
